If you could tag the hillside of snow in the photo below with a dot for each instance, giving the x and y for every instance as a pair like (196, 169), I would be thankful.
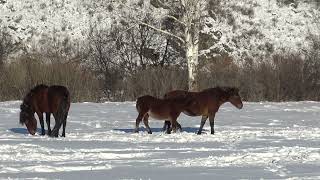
(261, 141)
(248, 28)
(261, 28)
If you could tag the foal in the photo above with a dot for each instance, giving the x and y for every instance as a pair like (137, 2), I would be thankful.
(206, 103)
(161, 109)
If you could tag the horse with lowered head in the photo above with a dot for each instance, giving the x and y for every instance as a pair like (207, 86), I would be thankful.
(161, 109)
(44, 99)
(206, 103)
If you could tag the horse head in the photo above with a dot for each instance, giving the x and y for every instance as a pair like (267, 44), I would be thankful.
(234, 97)
(27, 118)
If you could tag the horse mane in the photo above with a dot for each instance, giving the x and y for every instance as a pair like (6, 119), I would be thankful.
(229, 89)
(25, 107)
(226, 91)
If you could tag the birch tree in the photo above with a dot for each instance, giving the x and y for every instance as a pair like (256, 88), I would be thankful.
(185, 14)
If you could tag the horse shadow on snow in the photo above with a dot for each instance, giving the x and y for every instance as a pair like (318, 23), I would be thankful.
(143, 129)
(23, 130)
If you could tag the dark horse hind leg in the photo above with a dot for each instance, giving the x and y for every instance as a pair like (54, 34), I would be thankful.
(146, 123)
(165, 124)
(48, 123)
(138, 120)
(167, 127)
(173, 121)
(203, 121)
(211, 119)
(58, 119)
(64, 125)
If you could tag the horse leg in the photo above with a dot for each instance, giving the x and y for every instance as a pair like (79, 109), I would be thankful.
(138, 120)
(168, 127)
(48, 122)
(40, 115)
(58, 119)
(174, 125)
(211, 119)
(165, 124)
(64, 125)
(174, 122)
(146, 123)
(179, 126)
(203, 121)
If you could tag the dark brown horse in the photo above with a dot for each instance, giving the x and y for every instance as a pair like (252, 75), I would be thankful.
(161, 109)
(43, 99)
(206, 103)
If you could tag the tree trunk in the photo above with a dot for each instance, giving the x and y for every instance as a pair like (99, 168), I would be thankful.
(192, 61)
(192, 30)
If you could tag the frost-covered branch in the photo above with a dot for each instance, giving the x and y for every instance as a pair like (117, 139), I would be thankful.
(162, 31)
(159, 3)
(175, 19)
(125, 31)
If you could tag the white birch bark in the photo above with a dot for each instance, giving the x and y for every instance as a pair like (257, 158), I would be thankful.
(192, 19)
(191, 23)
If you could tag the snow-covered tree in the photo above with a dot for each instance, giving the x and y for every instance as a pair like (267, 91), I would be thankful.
(182, 22)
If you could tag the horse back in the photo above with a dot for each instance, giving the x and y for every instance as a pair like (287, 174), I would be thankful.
(176, 94)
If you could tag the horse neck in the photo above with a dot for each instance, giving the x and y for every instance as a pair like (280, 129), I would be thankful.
(221, 95)
(27, 102)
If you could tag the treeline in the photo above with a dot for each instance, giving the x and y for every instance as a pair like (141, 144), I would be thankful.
(113, 68)
(283, 78)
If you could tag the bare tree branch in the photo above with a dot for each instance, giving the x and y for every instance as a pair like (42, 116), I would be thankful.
(162, 31)
(177, 20)
(159, 3)
(120, 33)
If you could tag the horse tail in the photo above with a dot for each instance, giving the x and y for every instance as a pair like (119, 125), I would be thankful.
(143, 103)
(64, 105)
(138, 104)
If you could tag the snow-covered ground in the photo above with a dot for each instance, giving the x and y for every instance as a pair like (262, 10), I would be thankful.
(263, 140)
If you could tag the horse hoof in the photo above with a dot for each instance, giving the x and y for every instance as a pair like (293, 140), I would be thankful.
(54, 135)
(149, 132)
(199, 133)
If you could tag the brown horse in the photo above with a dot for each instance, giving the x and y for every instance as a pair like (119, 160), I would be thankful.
(161, 109)
(206, 103)
(43, 99)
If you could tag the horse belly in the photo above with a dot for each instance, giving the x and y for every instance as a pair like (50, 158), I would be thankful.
(157, 115)
(190, 113)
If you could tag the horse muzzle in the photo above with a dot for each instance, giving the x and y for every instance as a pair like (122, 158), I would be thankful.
(240, 106)
(32, 127)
